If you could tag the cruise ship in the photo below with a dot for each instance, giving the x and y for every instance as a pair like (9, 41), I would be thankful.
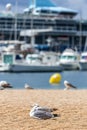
(43, 23)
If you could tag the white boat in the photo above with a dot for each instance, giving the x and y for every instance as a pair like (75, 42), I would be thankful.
(83, 61)
(70, 60)
(12, 62)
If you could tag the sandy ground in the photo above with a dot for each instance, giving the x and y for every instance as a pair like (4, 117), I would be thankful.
(71, 106)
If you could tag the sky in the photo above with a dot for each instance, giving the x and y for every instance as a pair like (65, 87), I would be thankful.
(79, 5)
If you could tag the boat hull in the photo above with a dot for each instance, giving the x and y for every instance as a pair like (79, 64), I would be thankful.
(83, 65)
(70, 66)
(83, 61)
(4, 68)
(31, 68)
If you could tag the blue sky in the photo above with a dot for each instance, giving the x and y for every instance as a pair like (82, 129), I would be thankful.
(79, 5)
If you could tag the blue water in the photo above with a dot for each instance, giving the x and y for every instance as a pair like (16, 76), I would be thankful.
(41, 80)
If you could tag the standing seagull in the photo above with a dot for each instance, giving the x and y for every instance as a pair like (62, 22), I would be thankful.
(68, 85)
(27, 86)
(4, 84)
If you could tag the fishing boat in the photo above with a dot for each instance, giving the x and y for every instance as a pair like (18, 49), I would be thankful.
(70, 60)
(12, 62)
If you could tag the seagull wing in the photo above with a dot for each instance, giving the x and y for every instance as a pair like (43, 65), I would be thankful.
(42, 115)
(71, 86)
(6, 86)
(43, 109)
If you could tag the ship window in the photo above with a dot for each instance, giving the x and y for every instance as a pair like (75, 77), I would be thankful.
(54, 12)
(84, 57)
(18, 57)
(64, 57)
(8, 59)
(72, 57)
(69, 57)
(44, 11)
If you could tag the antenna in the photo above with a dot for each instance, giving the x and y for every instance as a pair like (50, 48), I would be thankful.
(33, 3)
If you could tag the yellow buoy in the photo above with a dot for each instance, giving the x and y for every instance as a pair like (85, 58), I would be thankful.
(55, 78)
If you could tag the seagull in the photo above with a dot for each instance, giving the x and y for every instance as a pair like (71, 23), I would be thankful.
(27, 86)
(5, 84)
(68, 85)
(40, 112)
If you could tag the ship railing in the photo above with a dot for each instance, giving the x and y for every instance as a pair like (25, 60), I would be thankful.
(41, 27)
(83, 33)
(54, 28)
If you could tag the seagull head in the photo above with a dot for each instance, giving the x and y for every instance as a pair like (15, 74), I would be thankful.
(66, 82)
(69, 85)
(35, 105)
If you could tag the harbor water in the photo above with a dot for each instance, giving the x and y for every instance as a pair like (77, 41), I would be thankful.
(41, 80)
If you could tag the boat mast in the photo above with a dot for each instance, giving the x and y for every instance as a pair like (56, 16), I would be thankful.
(15, 33)
(33, 4)
(80, 31)
(32, 29)
(85, 46)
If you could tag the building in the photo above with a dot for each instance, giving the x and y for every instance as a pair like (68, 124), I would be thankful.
(44, 24)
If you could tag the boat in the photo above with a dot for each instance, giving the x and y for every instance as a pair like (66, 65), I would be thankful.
(50, 23)
(12, 62)
(70, 60)
(83, 58)
(83, 61)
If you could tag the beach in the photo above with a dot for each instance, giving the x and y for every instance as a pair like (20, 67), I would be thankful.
(71, 108)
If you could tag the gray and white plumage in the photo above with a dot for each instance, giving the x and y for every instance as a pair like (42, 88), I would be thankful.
(69, 85)
(37, 107)
(40, 112)
(27, 86)
(5, 84)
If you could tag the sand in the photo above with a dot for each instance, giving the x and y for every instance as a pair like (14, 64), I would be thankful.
(71, 106)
